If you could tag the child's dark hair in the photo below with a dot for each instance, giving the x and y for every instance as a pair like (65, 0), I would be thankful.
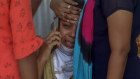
(81, 3)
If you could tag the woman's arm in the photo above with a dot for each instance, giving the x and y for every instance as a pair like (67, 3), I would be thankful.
(25, 41)
(119, 29)
(28, 67)
(35, 5)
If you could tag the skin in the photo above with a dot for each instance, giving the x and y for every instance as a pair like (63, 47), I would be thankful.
(71, 16)
(61, 6)
(28, 65)
(68, 34)
(119, 30)
(65, 36)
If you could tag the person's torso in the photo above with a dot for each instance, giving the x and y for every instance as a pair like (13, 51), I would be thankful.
(8, 64)
(101, 47)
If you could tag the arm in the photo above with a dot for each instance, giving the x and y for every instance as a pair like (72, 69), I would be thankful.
(41, 60)
(28, 67)
(119, 27)
(35, 5)
(53, 39)
(25, 41)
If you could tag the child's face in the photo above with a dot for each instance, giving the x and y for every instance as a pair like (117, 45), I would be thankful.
(68, 34)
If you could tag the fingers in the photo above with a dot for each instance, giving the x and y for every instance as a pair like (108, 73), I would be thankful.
(71, 11)
(52, 39)
(55, 43)
(68, 6)
(54, 36)
(63, 8)
(72, 17)
(71, 2)
(54, 33)
(75, 8)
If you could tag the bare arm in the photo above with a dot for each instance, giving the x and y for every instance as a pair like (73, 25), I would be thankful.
(41, 60)
(53, 39)
(119, 26)
(28, 67)
(21, 15)
(35, 5)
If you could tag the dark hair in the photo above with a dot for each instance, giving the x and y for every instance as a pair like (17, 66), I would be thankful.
(81, 3)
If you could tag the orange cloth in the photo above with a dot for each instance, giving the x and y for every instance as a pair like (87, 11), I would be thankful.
(17, 36)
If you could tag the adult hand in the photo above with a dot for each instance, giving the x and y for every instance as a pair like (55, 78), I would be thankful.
(65, 9)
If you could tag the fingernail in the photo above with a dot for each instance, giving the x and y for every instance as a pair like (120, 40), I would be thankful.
(68, 20)
(75, 19)
(80, 10)
(72, 22)
(76, 3)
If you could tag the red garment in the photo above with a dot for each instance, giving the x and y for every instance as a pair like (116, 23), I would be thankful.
(17, 36)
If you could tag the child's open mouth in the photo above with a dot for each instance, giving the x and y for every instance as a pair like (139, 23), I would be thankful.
(69, 44)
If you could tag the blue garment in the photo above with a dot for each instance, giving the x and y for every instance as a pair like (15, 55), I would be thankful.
(81, 68)
(101, 47)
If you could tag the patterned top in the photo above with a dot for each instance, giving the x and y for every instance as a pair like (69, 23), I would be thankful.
(17, 36)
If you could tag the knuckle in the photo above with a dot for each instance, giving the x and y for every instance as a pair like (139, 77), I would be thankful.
(68, 10)
(70, 17)
(72, 7)
(72, 12)
(75, 12)
(61, 4)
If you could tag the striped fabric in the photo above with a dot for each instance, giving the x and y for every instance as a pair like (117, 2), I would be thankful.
(83, 44)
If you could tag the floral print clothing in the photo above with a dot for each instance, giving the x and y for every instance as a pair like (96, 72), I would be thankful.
(17, 36)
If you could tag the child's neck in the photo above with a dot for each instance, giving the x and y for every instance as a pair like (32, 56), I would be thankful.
(66, 50)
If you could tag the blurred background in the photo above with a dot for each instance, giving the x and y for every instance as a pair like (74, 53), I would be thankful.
(43, 19)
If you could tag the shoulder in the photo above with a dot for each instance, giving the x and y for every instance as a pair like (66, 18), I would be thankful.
(110, 6)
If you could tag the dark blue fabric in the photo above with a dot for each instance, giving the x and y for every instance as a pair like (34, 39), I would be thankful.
(101, 47)
(109, 6)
